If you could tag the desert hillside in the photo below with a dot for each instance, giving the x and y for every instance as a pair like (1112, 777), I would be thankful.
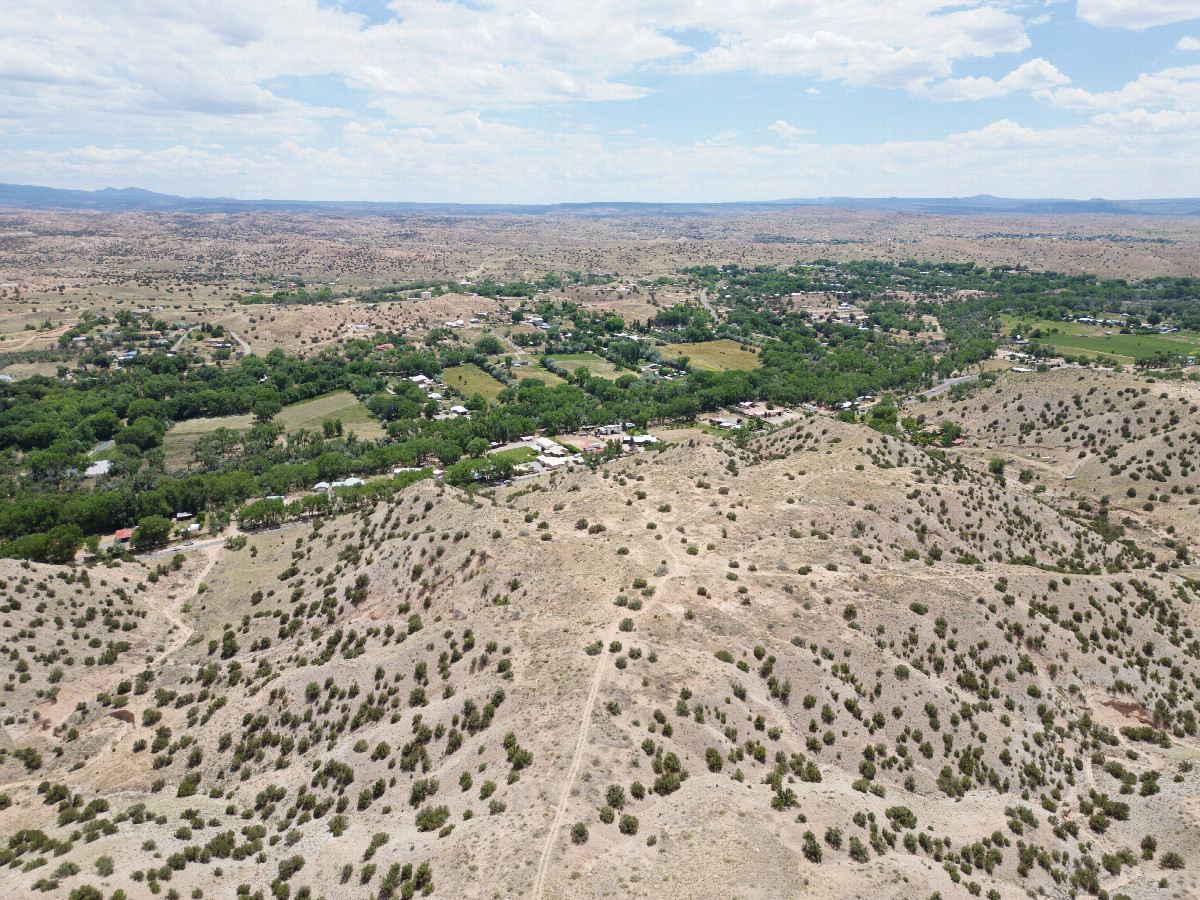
(826, 663)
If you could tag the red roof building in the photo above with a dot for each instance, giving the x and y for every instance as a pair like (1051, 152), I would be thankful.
(123, 534)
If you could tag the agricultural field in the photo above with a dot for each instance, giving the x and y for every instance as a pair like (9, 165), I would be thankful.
(1126, 348)
(719, 356)
(597, 365)
(309, 414)
(514, 455)
(468, 379)
(18, 371)
(547, 378)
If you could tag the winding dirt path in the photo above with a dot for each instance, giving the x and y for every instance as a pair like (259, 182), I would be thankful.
(53, 714)
(171, 612)
(36, 335)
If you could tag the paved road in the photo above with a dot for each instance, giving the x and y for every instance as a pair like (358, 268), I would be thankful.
(179, 343)
(245, 347)
(100, 447)
(943, 387)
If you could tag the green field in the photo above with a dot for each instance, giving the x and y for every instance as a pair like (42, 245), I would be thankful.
(720, 356)
(468, 379)
(597, 365)
(178, 442)
(516, 455)
(1092, 339)
(547, 378)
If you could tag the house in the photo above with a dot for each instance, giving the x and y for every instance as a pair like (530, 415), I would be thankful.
(551, 462)
(321, 487)
(419, 379)
(460, 410)
(122, 534)
(193, 528)
(182, 516)
(545, 443)
(385, 347)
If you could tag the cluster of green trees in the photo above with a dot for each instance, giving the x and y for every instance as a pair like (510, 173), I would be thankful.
(48, 427)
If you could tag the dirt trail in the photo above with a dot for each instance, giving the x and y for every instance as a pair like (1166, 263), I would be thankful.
(53, 333)
(170, 612)
(520, 354)
(539, 879)
(53, 714)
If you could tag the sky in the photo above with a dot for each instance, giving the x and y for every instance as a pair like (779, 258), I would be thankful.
(545, 101)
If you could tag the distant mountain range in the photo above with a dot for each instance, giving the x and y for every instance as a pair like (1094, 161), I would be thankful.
(20, 196)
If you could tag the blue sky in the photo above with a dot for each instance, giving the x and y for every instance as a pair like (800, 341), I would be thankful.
(659, 100)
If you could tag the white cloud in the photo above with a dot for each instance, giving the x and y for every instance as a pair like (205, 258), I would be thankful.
(1118, 155)
(1188, 43)
(1136, 14)
(788, 132)
(281, 98)
(1175, 88)
(111, 66)
(1035, 75)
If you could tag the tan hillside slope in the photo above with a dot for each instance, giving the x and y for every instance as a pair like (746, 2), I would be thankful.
(828, 664)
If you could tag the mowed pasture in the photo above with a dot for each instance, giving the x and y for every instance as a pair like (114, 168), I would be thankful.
(468, 379)
(719, 356)
(1123, 347)
(178, 442)
(1092, 338)
(597, 365)
(535, 371)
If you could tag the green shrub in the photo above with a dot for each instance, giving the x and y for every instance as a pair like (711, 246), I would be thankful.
(431, 818)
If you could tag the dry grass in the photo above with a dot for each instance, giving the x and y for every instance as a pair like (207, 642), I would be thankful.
(308, 414)
(596, 365)
(719, 356)
(468, 380)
